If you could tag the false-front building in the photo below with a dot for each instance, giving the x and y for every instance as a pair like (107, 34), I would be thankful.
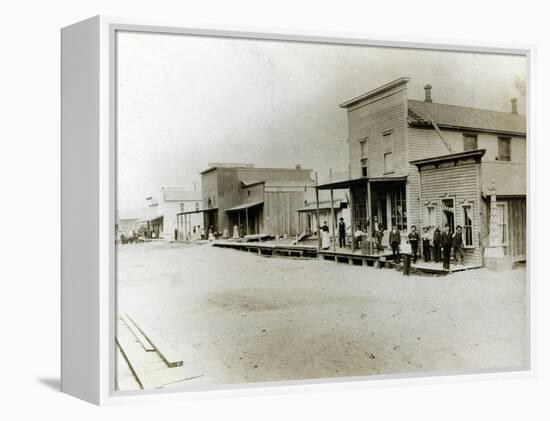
(427, 164)
(257, 200)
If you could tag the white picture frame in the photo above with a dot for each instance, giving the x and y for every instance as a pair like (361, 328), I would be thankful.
(88, 206)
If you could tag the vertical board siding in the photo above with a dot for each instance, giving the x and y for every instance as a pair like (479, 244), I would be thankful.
(278, 214)
(517, 226)
(460, 183)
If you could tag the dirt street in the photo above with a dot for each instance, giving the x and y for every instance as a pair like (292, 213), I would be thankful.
(239, 317)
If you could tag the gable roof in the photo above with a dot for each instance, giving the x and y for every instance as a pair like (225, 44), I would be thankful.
(454, 116)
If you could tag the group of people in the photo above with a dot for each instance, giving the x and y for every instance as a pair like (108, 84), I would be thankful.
(443, 243)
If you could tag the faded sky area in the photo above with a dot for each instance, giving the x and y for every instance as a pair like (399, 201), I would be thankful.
(185, 101)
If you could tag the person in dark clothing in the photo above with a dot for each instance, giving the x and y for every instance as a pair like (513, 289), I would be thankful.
(342, 233)
(437, 244)
(414, 238)
(378, 236)
(395, 241)
(406, 255)
(458, 246)
(446, 245)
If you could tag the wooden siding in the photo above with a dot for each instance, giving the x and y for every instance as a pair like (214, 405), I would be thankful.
(517, 226)
(225, 184)
(460, 183)
(280, 216)
(517, 229)
(253, 193)
(369, 120)
(426, 143)
(209, 184)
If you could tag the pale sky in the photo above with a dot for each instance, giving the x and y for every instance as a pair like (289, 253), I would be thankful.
(185, 101)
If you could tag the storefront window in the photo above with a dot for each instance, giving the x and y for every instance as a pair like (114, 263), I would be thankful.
(398, 202)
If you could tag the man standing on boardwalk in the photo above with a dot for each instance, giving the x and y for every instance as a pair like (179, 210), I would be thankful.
(414, 238)
(458, 246)
(446, 245)
(426, 239)
(437, 244)
(342, 233)
(395, 241)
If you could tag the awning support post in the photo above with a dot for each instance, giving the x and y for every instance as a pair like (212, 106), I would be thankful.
(317, 202)
(369, 217)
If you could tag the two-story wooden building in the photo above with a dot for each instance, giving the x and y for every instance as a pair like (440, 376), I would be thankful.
(426, 164)
(261, 200)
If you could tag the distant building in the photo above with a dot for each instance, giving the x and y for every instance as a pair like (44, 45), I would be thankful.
(423, 163)
(163, 212)
(260, 200)
(127, 222)
(307, 223)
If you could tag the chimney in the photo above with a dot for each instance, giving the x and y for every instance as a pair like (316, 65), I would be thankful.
(514, 105)
(428, 91)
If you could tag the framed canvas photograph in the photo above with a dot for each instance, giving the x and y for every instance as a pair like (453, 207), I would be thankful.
(246, 210)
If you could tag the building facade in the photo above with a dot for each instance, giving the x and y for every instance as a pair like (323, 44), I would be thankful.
(163, 212)
(258, 200)
(389, 135)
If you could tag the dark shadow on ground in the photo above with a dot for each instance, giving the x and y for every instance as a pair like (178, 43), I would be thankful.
(53, 383)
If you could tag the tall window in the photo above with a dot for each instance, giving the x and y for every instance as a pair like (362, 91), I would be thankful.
(364, 161)
(501, 223)
(196, 206)
(387, 145)
(504, 147)
(398, 205)
(470, 142)
(182, 207)
(467, 216)
(430, 217)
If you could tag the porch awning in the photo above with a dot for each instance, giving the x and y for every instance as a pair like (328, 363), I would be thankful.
(245, 206)
(312, 207)
(344, 184)
(198, 211)
(152, 218)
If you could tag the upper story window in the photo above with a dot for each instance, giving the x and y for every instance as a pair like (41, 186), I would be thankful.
(364, 161)
(363, 145)
(196, 206)
(504, 147)
(387, 150)
(182, 207)
(470, 142)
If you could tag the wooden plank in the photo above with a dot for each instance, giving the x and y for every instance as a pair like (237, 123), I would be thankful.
(167, 352)
(147, 346)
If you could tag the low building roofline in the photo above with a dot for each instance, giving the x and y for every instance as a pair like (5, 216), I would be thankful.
(476, 153)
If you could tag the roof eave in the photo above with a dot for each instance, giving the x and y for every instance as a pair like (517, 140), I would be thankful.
(376, 91)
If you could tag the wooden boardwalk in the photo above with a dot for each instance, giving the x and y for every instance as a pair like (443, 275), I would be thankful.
(270, 248)
(341, 255)
(358, 258)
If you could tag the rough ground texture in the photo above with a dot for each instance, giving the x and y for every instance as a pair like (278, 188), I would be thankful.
(238, 317)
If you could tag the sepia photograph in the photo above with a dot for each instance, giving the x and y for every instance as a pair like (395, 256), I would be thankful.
(291, 211)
